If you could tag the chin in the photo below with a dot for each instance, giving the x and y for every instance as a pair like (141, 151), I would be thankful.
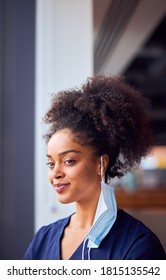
(64, 200)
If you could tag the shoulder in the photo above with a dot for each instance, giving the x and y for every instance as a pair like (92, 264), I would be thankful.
(52, 228)
(41, 245)
(141, 242)
(130, 228)
(131, 223)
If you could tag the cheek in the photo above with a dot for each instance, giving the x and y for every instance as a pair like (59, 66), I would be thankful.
(88, 174)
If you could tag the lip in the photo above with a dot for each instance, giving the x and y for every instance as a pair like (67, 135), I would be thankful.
(60, 187)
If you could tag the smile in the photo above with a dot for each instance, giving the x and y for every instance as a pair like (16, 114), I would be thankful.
(60, 187)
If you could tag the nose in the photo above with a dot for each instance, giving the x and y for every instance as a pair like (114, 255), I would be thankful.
(57, 172)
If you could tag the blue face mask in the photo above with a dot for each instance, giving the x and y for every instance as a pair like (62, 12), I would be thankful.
(105, 216)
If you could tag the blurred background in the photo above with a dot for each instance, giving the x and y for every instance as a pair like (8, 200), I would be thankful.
(49, 45)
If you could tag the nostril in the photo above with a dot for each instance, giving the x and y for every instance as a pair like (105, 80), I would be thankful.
(59, 176)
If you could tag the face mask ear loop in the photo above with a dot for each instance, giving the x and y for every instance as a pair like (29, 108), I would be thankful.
(83, 248)
(102, 171)
(89, 253)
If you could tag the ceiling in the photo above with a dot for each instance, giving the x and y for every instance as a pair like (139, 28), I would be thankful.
(130, 39)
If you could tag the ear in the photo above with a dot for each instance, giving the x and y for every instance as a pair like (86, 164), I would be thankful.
(105, 161)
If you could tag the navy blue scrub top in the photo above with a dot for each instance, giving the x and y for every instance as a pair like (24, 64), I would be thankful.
(128, 239)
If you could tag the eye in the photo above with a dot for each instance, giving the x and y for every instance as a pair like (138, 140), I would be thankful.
(50, 164)
(69, 161)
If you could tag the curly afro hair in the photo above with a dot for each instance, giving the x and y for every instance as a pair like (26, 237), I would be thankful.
(108, 114)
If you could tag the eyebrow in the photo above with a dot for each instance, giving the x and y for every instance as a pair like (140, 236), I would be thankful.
(66, 152)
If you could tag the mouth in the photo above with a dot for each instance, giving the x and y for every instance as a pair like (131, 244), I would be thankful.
(60, 187)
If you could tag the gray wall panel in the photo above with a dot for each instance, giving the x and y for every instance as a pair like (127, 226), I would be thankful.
(17, 126)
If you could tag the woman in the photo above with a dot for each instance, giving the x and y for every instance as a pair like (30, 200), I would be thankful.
(96, 133)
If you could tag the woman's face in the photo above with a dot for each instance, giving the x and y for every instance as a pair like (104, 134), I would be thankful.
(74, 170)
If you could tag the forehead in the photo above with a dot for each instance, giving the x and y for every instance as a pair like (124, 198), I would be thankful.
(65, 140)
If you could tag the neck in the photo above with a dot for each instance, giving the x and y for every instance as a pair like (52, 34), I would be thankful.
(85, 211)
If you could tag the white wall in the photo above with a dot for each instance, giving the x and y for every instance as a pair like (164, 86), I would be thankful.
(64, 59)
